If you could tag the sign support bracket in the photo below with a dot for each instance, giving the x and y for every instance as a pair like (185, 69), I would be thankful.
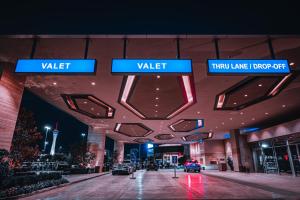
(86, 50)
(125, 48)
(271, 48)
(178, 48)
(216, 41)
(33, 49)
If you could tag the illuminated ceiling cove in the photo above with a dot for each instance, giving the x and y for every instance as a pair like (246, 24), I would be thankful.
(157, 96)
(88, 105)
(133, 129)
(187, 125)
(250, 91)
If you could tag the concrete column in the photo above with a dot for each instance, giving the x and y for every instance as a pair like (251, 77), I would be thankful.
(235, 148)
(96, 143)
(11, 91)
(186, 150)
(241, 152)
(120, 151)
(228, 151)
(246, 153)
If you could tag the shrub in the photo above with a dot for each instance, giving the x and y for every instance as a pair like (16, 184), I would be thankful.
(18, 190)
(14, 181)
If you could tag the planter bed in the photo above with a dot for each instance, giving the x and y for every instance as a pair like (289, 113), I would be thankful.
(17, 185)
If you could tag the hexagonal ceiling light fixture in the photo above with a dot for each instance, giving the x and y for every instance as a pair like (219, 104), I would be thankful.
(88, 105)
(157, 96)
(196, 137)
(187, 125)
(143, 140)
(164, 136)
(132, 129)
(250, 91)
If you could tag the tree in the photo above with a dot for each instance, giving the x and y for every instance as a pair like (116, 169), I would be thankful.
(4, 163)
(81, 155)
(26, 138)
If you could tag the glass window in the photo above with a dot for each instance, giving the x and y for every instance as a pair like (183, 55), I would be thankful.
(283, 159)
(269, 160)
(295, 157)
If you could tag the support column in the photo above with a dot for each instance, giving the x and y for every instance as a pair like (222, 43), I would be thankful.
(11, 91)
(228, 151)
(235, 148)
(96, 143)
(186, 150)
(120, 151)
(241, 152)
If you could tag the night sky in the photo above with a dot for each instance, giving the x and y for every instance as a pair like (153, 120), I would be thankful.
(69, 127)
(147, 17)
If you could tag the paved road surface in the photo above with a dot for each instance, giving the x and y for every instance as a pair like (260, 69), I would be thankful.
(157, 185)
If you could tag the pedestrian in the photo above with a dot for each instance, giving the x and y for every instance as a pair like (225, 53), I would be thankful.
(230, 163)
(247, 167)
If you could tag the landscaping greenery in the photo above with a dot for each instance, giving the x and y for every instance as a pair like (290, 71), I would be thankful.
(26, 138)
(16, 185)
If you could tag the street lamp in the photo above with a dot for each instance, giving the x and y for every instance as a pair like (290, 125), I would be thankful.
(83, 136)
(46, 142)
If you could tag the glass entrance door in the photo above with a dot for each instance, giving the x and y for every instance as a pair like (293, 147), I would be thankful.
(283, 159)
(295, 157)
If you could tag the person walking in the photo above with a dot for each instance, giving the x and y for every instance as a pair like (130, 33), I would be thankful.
(230, 163)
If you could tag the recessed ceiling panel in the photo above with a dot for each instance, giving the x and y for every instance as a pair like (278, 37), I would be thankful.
(132, 129)
(143, 140)
(250, 91)
(186, 125)
(88, 105)
(164, 136)
(157, 96)
(196, 137)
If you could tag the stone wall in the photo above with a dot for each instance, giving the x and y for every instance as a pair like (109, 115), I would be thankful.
(11, 91)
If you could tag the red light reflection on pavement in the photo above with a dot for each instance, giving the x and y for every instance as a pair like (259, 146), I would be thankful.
(194, 185)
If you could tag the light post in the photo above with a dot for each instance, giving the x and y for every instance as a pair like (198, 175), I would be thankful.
(83, 135)
(46, 142)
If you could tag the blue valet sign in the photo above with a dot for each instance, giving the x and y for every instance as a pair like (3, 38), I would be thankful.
(56, 66)
(247, 67)
(140, 66)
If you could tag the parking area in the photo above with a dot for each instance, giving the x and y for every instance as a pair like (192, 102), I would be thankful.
(161, 185)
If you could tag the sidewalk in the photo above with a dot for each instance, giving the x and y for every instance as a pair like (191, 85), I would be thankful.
(270, 182)
(81, 177)
(76, 178)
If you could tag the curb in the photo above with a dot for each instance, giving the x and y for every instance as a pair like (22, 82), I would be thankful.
(52, 188)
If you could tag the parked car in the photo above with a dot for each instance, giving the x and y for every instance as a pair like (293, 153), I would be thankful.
(121, 169)
(192, 165)
(138, 166)
(152, 165)
(130, 164)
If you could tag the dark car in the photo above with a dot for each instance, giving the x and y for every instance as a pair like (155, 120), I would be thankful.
(152, 166)
(192, 165)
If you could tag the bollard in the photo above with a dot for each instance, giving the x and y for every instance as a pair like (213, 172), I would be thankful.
(174, 172)
(132, 175)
